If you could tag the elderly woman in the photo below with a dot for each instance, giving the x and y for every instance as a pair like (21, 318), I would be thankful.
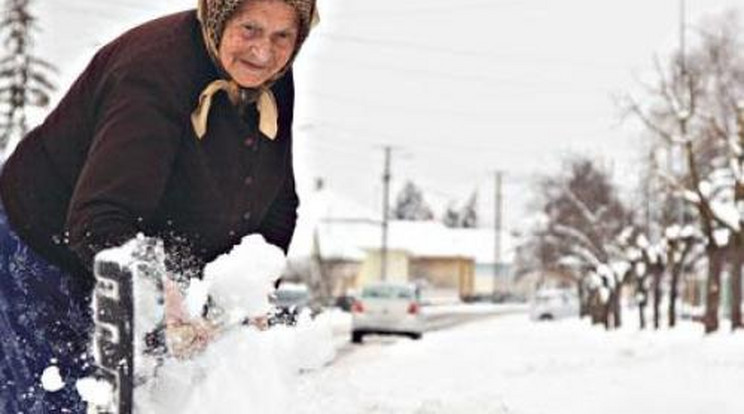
(180, 129)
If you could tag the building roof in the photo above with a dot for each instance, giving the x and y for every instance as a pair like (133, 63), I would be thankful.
(343, 230)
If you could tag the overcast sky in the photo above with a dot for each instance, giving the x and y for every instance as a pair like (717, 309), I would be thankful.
(460, 88)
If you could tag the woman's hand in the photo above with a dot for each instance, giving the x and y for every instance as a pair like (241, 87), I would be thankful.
(259, 322)
(185, 336)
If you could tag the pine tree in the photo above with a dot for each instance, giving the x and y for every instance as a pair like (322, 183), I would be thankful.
(24, 78)
(451, 217)
(410, 204)
(469, 213)
(465, 217)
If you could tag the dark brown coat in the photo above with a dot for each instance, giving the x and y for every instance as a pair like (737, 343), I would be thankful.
(118, 156)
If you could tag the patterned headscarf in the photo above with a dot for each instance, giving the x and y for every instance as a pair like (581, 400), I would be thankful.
(213, 16)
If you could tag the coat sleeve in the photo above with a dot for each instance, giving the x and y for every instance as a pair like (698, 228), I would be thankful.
(278, 225)
(135, 141)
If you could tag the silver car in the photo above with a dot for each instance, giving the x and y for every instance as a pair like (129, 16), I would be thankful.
(387, 308)
(554, 303)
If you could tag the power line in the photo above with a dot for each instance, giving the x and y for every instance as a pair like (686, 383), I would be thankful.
(537, 82)
(419, 10)
(531, 57)
(441, 144)
(408, 110)
(402, 45)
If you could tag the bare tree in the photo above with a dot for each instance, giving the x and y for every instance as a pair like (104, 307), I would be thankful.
(697, 105)
(583, 218)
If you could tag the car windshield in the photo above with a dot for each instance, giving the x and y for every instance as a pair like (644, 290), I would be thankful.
(546, 299)
(552, 296)
(388, 292)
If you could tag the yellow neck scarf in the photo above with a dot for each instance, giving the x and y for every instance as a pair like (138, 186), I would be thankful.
(266, 105)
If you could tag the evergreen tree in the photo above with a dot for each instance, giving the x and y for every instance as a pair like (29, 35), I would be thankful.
(24, 77)
(466, 217)
(451, 217)
(410, 204)
(469, 213)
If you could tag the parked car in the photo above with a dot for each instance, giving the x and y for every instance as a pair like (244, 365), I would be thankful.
(554, 303)
(387, 308)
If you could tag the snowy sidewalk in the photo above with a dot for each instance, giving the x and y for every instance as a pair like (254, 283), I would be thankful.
(507, 364)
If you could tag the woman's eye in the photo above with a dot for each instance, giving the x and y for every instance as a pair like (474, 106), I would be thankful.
(249, 30)
(285, 37)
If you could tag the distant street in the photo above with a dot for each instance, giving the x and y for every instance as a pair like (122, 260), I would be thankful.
(437, 318)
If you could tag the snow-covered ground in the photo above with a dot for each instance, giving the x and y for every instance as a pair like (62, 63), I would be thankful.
(498, 362)
(508, 364)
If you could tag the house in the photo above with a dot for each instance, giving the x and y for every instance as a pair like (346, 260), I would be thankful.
(425, 252)
(345, 240)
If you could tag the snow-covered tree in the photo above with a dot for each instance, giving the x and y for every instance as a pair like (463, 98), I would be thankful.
(469, 214)
(466, 216)
(583, 218)
(650, 262)
(451, 217)
(697, 105)
(410, 204)
(24, 77)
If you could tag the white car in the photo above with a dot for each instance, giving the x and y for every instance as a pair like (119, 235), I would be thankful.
(387, 308)
(550, 304)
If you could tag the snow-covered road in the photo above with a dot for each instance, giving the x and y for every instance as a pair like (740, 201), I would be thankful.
(507, 364)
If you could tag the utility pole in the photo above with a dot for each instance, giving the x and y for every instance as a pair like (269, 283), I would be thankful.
(497, 230)
(385, 214)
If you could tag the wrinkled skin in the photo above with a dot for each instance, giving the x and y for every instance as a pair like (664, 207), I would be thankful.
(258, 41)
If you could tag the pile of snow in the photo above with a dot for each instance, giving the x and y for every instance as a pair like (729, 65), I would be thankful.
(243, 366)
(240, 281)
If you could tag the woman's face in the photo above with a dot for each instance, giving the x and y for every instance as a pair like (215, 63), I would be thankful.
(258, 41)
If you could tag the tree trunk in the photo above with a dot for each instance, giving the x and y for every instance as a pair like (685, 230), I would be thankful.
(607, 314)
(676, 269)
(736, 258)
(642, 294)
(713, 288)
(595, 308)
(656, 288)
(615, 303)
(583, 301)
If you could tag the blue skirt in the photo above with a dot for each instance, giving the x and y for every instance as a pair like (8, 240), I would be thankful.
(42, 324)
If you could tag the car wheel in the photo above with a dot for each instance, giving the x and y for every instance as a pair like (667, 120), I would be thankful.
(415, 335)
(356, 337)
(546, 317)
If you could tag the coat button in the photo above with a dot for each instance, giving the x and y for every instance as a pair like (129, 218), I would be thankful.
(248, 180)
(249, 141)
(247, 215)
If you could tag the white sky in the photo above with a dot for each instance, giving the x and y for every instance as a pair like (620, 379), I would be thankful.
(459, 87)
